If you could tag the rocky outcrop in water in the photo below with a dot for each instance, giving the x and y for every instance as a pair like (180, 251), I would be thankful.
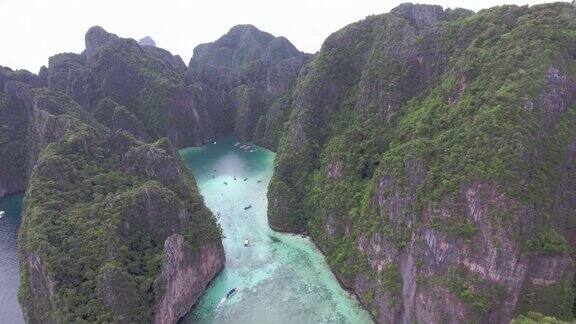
(254, 73)
(429, 155)
(102, 210)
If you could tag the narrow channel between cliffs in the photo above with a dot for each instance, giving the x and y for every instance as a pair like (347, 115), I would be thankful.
(280, 277)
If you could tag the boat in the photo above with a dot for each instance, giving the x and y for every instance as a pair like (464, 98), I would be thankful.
(231, 292)
(259, 181)
(214, 142)
(246, 242)
(236, 144)
(252, 151)
(245, 179)
(226, 183)
(2, 214)
(247, 207)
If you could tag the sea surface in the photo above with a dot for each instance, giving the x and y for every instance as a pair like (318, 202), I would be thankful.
(9, 308)
(281, 278)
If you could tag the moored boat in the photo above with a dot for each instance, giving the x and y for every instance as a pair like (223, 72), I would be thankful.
(231, 292)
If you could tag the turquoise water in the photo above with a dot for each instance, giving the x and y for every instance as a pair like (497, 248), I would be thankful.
(281, 278)
(9, 308)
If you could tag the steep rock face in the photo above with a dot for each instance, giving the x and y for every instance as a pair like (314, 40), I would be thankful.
(429, 153)
(14, 117)
(60, 70)
(147, 81)
(254, 73)
(184, 277)
(96, 37)
(100, 204)
(7, 74)
(13, 153)
(117, 117)
(100, 207)
(169, 61)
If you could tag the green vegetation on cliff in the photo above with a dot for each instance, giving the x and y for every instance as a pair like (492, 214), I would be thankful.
(433, 134)
(99, 207)
(254, 81)
(13, 144)
(148, 82)
(13, 133)
(536, 318)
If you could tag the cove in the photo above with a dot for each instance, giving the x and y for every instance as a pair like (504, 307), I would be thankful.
(10, 311)
(281, 278)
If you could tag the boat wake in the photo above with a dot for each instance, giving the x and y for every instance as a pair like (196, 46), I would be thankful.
(220, 307)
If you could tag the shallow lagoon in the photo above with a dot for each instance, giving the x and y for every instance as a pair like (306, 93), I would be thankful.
(281, 278)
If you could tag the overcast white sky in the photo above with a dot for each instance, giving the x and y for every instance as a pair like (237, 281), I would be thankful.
(33, 30)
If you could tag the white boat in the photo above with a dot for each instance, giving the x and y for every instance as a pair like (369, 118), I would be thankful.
(246, 242)
(214, 142)
(2, 214)
(231, 293)
(236, 144)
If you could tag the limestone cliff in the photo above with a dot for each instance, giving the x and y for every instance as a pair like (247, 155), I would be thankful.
(101, 212)
(254, 74)
(430, 154)
(146, 80)
(184, 276)
(13, 130)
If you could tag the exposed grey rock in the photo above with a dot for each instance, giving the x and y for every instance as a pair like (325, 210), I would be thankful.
(95, 38)
(146, 41)
(185, 275)
(247, 58)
